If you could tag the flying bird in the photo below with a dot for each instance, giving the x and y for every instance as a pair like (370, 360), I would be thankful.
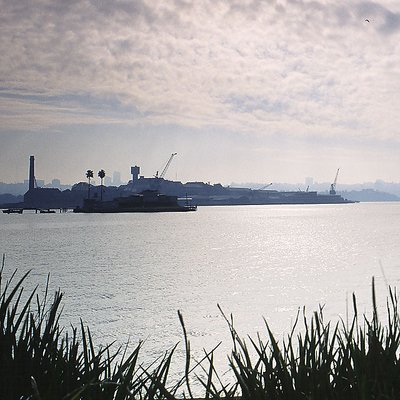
(367, 20)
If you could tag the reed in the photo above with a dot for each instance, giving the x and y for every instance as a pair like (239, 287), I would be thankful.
(321, 360)
(39, 360)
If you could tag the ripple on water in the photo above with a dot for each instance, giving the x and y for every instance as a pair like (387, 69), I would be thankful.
(126, 275)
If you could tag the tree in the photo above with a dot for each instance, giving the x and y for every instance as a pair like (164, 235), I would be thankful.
(101, 175)
(89, 175)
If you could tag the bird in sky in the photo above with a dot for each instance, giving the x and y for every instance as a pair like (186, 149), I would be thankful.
(367, 20)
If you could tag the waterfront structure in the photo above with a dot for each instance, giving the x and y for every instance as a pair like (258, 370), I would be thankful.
(200, 193)
(31, 173)
(148, 201)
(135, 171)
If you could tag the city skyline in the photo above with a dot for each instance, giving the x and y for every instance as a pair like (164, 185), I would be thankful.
(114, 178)
(243, 91)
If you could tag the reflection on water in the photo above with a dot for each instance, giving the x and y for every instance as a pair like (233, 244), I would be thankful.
(126, 275)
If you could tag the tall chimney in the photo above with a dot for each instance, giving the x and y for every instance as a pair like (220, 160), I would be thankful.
(31, 172)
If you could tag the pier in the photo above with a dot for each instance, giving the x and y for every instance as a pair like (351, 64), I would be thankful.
(21, 210)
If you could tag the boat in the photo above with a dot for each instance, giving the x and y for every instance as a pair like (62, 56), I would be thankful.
(268, 197)
(13, 211)
(298, 197)
(149, 201)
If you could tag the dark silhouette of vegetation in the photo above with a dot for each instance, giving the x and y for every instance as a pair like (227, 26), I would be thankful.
(40, 360)
(89, 176)
(101, 175)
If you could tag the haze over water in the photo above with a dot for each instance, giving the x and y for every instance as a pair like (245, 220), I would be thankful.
(126, 275)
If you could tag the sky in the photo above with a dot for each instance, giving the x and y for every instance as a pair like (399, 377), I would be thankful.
(243, 90)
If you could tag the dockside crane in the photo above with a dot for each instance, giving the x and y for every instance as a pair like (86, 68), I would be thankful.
(264, 187)
(164, 171)
(333, 185)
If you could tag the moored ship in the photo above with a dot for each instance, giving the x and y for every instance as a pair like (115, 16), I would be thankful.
(270, 197)
(147, 201)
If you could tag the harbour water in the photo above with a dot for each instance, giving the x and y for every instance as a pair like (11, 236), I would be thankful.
(126, 275)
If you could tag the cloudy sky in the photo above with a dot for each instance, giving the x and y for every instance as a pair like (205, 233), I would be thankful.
(242, 90)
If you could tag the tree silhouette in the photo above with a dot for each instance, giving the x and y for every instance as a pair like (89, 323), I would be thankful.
(89, 175)
(101, 175)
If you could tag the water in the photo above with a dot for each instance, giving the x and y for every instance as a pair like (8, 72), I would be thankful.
(126, 275)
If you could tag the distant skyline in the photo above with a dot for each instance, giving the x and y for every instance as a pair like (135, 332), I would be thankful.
(113, 179)
(242, 90)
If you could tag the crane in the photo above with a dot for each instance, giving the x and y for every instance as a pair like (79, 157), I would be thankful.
(264, 187)
(333, 185)
(164, 171)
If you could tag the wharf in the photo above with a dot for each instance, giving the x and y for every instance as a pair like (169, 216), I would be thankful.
(18, 210)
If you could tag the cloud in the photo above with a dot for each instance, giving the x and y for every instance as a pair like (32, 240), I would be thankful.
(291, 67)
(388, 22)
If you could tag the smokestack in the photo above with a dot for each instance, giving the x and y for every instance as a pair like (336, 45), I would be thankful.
(31, 172)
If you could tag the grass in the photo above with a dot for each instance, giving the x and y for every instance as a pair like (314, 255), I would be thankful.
(39, 360)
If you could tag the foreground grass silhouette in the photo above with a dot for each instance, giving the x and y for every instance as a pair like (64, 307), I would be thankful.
(41, 361)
